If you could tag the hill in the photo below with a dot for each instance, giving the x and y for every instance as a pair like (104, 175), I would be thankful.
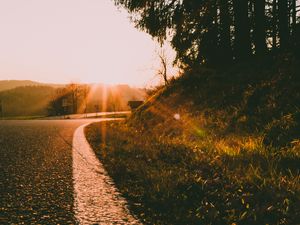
(26, 101)
(259, 98)
(216, 146)
(10, 84)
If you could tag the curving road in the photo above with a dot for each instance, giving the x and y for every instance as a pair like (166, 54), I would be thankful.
(41, 177)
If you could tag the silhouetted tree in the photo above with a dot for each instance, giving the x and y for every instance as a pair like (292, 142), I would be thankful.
(260, 27)
(283, 25)
(216, 32)
(225, 36)
(66, 100)
(242, 47)
(273, 28)
(163, 70)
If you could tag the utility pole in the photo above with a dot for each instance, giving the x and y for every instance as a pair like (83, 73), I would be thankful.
(97, 109)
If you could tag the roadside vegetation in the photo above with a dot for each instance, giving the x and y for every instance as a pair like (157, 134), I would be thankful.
(37, 100)
(88, 98)
(211, 148)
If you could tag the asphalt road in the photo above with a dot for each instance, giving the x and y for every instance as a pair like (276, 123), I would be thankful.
(36, 184)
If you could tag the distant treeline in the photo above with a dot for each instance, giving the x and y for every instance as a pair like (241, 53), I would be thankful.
(76, 98)
(72, 98)
(217, 32)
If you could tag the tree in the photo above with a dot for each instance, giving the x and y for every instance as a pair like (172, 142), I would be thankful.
(225, 37)
(72, 90)
(242, 47)
(274, 25)
(259, 27)
(283, 24)
(67, 99)
(294, 20)
(216, 32)
(163, 66)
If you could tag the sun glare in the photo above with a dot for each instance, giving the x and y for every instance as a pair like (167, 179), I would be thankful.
(64, 41)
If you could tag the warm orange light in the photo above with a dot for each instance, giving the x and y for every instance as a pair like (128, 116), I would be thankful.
(73, 40)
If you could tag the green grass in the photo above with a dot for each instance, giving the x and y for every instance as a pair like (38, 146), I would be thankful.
(205, 181)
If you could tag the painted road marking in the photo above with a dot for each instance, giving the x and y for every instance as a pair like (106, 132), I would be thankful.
(96, 200)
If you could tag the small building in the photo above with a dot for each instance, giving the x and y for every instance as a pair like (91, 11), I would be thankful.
(135, 104)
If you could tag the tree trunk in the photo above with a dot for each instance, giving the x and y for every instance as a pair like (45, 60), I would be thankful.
(259, 27)
(209, 39)
(242, 43)
(274, 25)
(283, 24)
(294, 16)
(225, 39)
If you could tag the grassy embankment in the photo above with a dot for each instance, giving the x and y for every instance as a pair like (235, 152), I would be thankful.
(212, 148)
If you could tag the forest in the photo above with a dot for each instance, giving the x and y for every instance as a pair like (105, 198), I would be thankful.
(219, 32)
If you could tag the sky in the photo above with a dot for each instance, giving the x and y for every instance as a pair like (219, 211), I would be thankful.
(62, 41)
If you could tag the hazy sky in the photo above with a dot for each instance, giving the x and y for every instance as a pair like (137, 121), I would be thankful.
(72, 40)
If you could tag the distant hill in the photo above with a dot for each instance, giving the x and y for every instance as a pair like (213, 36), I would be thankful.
(10, 84)
(26, 101)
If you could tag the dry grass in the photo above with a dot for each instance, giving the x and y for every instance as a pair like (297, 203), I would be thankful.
(214, 147)
(203, 181)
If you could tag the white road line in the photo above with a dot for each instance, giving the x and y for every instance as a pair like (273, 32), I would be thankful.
(96, 200)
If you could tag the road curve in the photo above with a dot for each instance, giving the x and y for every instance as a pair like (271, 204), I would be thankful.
(38, 175)
(96, 201)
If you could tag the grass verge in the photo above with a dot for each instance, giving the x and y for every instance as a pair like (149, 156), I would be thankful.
(206, 180)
